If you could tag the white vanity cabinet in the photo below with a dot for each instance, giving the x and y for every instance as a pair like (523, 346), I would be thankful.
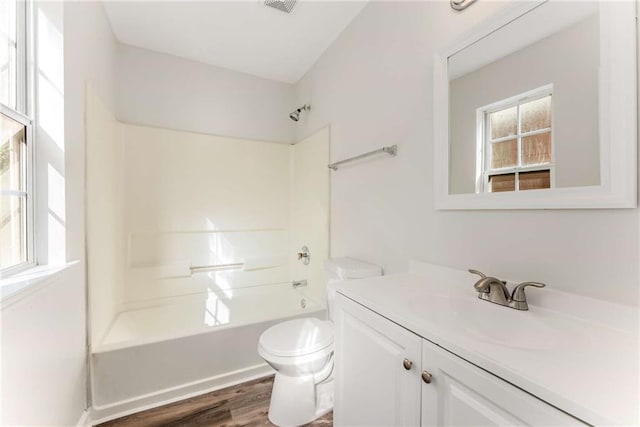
(382, 371)
(372, 385)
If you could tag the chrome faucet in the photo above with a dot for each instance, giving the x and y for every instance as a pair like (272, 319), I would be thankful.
(495, 291)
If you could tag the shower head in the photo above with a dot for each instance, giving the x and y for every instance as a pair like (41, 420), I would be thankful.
(295, 116)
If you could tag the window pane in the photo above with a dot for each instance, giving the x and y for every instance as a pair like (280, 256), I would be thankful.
(504, 123)
(12, 231)
(12, 146)
(8, 53)
(536, 149)
(504, 154)
(535, 115)
(535, 180)
(506, 182)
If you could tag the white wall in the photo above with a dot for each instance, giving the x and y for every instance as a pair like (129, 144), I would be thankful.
(90, 58)
(166, 91)
(43, 372)
(374, 85)
(568, 59)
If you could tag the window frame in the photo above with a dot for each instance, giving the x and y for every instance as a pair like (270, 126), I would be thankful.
(483, 140)
(23, 114)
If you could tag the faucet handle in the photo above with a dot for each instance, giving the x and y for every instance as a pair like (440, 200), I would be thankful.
(482, 284)
(518, 292)
(479, 273)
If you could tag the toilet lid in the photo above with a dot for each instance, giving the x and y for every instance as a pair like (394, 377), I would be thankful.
(297, 337)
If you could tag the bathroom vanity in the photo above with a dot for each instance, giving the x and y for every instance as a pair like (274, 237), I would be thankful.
(422, 349)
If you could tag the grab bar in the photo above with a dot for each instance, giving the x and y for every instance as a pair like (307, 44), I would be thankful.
(218, 267)
(391, 150)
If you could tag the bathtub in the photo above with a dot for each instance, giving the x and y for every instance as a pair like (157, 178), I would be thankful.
(173, 348)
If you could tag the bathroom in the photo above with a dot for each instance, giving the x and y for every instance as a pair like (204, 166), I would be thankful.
(233, 185)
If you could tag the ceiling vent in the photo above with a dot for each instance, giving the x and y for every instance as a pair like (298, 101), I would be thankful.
(282, 5)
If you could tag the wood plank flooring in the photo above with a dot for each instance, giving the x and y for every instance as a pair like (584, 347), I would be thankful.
(245, 404)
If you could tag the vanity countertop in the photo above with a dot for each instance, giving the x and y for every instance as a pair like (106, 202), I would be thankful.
(578, 354)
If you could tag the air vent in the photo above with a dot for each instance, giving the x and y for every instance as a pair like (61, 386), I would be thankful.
(282, 5)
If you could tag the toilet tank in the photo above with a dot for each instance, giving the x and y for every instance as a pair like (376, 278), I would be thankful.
(346, 269)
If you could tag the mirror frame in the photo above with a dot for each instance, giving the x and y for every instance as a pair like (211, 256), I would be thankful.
(618, 121)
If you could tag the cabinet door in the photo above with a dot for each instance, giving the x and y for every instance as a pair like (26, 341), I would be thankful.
(372, 385)
(463, 394)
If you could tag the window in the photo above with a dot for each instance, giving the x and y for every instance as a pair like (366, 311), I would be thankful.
(515, 143)
(16, 210)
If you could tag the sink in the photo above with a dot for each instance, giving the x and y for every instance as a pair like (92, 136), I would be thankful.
(492, 323)
(525, 333)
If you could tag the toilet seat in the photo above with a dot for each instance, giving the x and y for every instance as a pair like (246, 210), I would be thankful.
(296, 338)
(305, 364)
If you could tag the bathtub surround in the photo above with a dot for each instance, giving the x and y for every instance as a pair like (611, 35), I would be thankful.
(374, 85)
(197, 200)
(210, 201)
(106, 243)
(309, 209)
(206, 200)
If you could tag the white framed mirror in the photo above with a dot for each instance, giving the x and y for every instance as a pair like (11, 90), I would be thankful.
(537, 109)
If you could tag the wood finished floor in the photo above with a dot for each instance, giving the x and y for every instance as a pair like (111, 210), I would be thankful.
(245, 404)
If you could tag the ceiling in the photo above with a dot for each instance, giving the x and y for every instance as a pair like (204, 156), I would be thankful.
(241, 35)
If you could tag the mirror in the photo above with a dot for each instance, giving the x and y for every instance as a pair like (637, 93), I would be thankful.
(533, 103)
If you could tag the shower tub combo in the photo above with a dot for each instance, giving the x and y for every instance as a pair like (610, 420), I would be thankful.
(186, 204)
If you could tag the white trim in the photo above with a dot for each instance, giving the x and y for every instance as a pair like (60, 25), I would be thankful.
(22, 37)
(521, 135)
(521, 98)
(85, 419)
(13, 193)
(101, 414)
(618, 122)
(21, 285)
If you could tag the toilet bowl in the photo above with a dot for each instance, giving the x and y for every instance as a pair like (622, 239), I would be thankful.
(301, 353)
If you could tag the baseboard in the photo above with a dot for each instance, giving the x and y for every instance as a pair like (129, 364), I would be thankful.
(84, 420)
(100, 414)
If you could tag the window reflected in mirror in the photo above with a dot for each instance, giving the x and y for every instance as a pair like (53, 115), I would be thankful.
(515, 135)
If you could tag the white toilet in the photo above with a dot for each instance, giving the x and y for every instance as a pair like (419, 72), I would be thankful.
(301, 352)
